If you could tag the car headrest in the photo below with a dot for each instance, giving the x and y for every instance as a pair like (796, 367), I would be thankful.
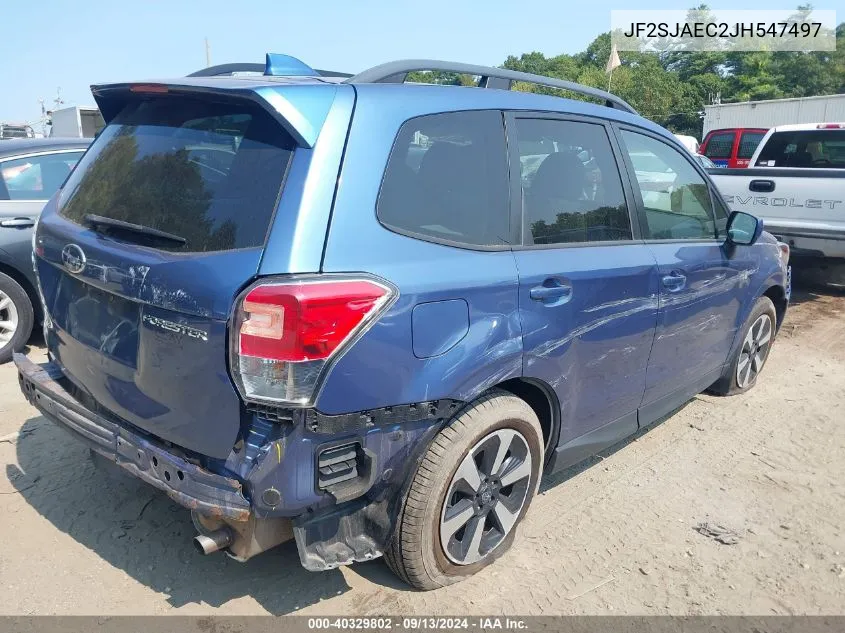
(560, 175)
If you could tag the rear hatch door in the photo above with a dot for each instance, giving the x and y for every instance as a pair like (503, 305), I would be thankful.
(143, 252)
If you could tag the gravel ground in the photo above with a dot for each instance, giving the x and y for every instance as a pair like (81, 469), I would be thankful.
(729, 506)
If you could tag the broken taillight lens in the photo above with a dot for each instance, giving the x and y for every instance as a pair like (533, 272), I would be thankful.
(286, 333)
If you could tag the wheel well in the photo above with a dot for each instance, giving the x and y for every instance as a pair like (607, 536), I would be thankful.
(23, 282)
(542, 399)
(778, 296)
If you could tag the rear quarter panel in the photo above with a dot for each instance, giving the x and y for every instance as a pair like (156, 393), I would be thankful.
(482, 342)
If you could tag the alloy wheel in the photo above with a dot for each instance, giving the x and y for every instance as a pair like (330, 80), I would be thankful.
(755, 350)
(486, 496)
(8, 319)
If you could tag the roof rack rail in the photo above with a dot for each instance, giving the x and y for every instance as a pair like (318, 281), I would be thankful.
(248, 67)
(397, 72)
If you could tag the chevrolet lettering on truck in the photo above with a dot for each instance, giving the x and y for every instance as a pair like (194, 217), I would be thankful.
(763, 201)
(369, 315)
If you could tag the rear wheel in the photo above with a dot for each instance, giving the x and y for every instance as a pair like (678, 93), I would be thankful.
(16, 317)
(469, 493)
(758, 335)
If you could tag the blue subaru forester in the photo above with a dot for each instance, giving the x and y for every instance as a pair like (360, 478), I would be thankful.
(368, 315)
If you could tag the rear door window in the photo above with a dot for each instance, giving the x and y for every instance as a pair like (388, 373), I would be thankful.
(36, 177)
(720, 145)
(748, 143)
(207, 172)
(819, 149)
(572, 190)
(447, 180)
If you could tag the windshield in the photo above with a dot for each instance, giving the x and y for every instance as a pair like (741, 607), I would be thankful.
(819, 149)
(18, 131)
(207, 172)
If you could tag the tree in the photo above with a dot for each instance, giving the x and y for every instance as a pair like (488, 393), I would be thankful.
(672, 88)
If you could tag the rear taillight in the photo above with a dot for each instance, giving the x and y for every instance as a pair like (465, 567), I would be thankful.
(285, 334)
(784, 252)
(149, 88)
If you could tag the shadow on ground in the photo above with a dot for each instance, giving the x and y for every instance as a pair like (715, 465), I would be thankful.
(141, 531)
(559, 478)
(813, 278)
(807, 290)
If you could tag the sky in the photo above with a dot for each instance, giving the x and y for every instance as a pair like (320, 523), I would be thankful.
(71, 44)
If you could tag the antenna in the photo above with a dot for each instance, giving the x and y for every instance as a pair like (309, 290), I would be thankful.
(44, 118)
(58, 100)
(207, 53)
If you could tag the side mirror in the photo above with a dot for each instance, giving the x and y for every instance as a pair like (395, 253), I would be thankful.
(743, 228)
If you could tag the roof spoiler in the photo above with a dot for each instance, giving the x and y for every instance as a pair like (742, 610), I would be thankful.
(301, 110)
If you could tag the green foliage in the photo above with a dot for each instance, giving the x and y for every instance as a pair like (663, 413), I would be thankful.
(440, 78)
(672, 88)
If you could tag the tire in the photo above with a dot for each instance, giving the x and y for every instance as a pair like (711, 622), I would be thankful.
(416, 551)
(16, 317)
(743, 369)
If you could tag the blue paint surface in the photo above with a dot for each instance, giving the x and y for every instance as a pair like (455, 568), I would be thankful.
(438, 326)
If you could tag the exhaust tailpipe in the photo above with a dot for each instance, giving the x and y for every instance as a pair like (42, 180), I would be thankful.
(213, 541)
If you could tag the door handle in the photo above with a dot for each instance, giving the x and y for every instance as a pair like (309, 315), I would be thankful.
(552, 290)
(762, 186)
(674, 281)
(17, 222)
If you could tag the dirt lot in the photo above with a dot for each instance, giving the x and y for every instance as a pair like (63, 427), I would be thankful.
(616, 537)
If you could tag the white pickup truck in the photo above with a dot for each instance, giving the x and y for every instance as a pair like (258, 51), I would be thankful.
(796, 183)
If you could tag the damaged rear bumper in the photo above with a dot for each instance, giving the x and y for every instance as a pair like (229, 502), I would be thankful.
(186, 483)
(345, 528)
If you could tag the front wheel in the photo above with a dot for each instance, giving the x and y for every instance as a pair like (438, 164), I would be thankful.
(469, 493)
(758, 335)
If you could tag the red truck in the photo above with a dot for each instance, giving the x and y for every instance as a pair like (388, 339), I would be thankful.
(732, 147)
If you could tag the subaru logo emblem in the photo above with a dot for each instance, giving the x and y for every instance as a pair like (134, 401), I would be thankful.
(73, 259)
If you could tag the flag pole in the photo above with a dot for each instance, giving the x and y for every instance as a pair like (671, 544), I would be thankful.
(612, 62)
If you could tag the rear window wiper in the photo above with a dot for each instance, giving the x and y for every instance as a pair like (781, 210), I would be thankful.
(98, 221)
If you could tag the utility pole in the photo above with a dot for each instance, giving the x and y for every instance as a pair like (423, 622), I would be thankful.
(47, 114)
(207, 53)
(44, 118)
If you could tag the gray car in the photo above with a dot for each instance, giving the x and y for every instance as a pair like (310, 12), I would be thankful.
(31, 171)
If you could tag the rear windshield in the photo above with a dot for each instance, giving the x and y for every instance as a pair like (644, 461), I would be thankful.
(821, 149)
(720, 145)
(748, 143)
(207, 172)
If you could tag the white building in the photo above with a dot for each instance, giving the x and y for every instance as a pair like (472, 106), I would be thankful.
(768, 114)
